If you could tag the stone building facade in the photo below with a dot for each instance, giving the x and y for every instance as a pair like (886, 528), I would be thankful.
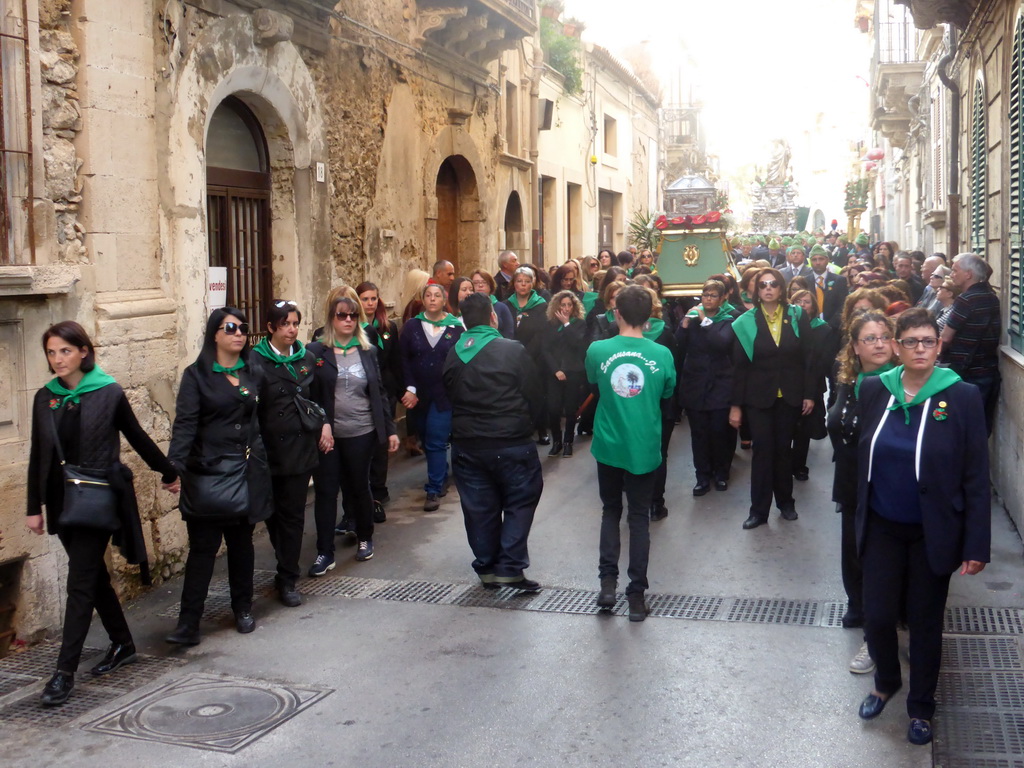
(293, 144)
(949, 104)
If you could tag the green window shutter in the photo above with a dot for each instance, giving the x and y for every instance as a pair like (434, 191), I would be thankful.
(979, 171)
(1015, 326)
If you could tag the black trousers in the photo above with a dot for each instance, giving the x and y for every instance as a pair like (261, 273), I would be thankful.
(771, 466)
(713, 443)
(850, 565)
(661, 473)
(587, 417)
(896, 566)
(612, 483)
(346, 469)
(564, 399)
(285, 525)
(204, 538)
(379, 466)
(88, 588)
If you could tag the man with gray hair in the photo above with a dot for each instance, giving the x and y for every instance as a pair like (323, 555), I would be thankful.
(508, 263)
(970, 340)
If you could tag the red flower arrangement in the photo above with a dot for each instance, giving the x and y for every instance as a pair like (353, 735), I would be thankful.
(689, 222)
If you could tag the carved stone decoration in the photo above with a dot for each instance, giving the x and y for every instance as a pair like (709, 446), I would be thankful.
(459, 32)
(431, 19)
(271, 27)
(477, 43)
(928, 13)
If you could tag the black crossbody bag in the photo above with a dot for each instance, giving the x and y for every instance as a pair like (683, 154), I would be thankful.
(89, 499)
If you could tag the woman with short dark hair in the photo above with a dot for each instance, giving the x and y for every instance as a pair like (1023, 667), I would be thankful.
(78, 418)
(484, 283)
(924, 510)
(216, 433)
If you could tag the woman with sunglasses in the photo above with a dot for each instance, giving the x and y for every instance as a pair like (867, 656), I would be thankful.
(773, 385)
(483, 282)
(424, 344)
(923, 510)
(348, 385)
(284, 368)
(78, 417)
(215, 420)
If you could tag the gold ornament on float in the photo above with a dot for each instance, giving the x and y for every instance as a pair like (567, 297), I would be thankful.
(691, 255)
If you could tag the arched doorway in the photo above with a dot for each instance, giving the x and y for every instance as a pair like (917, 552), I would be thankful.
(457, 235)
(238, 207)
(515, 239)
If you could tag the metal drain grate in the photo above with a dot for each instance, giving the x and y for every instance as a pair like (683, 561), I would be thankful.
(981, 690)
(346, 586)
(565, 601)
(217, 608)
(973, 761)
(415, 591)
(219, 596)
(832, 614)
(771, 611)
(987, 621)
(480, 597)
(684, 607)
(85, 698)
(981, 653)
(38, 661)
(11, 683)
(987, 734)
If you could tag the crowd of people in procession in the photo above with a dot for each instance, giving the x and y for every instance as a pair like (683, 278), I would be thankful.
(889, 353)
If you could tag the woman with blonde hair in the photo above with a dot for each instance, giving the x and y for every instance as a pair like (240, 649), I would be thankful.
(348, 385)
(563, 348)
(412, 289)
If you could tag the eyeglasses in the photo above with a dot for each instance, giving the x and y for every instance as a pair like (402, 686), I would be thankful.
(768, 284)
(710, 295)
(234, 328)
(928, 343)
(872, 340)
(347, 315)
(280, 304)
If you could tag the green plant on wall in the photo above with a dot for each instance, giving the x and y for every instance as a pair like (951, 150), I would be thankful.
(562, 54)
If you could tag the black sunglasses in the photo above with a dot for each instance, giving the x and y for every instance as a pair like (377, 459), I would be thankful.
(768, 284)
(233, 328)
(347, 315)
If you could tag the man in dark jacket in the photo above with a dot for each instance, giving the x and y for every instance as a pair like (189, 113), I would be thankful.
(496, 400)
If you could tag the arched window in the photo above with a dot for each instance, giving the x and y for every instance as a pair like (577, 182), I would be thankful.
(979, 170)
(1015, 326)
(238, 207)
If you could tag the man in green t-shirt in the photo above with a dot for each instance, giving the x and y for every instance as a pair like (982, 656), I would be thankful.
(633, 375)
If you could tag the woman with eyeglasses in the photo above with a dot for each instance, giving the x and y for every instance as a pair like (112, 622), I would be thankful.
(348, 385)
(483, 282)
(284, 368)
(424, 344)
(923, 510)
(529, 311)
(868, 353)
(78, 418)
(216, 434)
(773, 385)
(382, 333)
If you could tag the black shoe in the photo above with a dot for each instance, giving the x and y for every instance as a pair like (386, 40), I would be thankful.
(702, 487)
(721, 485)
(384, 499)
(432, 503)
(245, 622)
(556, 449)
(852, 620)
(637, 607)
(345, 528)
(523, 585)
(289, 596)
(788, 513)
(801, 474)
(184, 635)
(544, 440)
(606, 597)
(379, 515)
(584, 432)
(752, 522)
(118, 654)
(919, 732)
(872, 706)
(58, 689)
(658, 512)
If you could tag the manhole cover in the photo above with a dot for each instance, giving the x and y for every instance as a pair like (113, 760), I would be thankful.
(207, 712)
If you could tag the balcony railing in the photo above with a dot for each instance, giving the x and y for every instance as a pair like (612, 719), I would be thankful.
(525, 7)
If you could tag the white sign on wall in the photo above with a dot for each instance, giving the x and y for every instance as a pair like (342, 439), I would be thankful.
(216, 287)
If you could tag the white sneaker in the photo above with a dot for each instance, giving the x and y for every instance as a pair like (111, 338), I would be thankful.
(862, 663)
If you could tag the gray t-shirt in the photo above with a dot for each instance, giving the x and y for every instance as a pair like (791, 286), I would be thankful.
(352, 414)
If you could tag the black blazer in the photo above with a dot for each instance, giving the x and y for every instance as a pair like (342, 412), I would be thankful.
(325, 379)
(787, 366)
(290, 449)
(836, 291)
(213, 419)
(564, 349)
(389, 357)
(956, 502)
(706, 367)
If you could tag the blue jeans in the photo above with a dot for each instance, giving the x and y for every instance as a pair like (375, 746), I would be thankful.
(434, 428)
(500, 489)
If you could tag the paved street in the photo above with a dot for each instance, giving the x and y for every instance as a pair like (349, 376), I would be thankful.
(435, 680)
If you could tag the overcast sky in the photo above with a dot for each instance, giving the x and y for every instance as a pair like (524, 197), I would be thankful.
(796, 70)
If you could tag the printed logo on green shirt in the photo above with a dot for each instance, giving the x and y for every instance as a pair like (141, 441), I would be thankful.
(627, 380)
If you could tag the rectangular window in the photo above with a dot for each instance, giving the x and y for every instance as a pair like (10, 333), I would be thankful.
(574, 220)
(512, 119)
(611, 137)
(938, 136)
(16, 244)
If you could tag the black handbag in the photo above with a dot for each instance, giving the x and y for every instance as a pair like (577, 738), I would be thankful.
(89, 499)
(216, 488)
(312, 416)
